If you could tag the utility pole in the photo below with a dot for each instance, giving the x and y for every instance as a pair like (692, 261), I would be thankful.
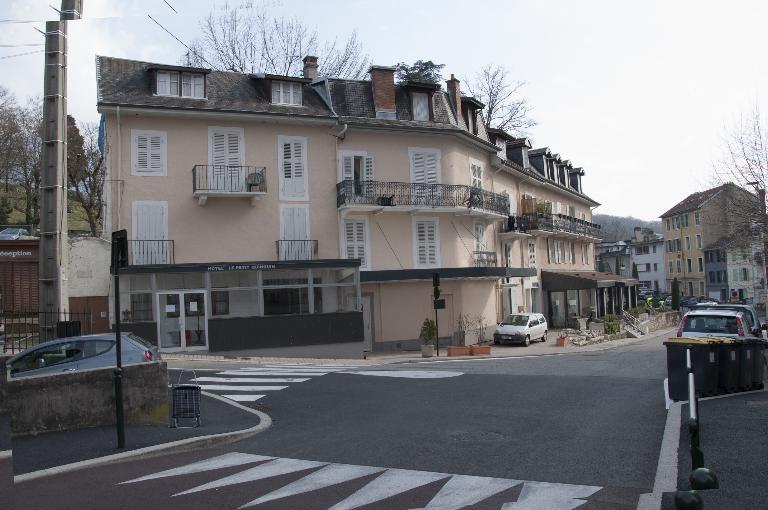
(53, 174)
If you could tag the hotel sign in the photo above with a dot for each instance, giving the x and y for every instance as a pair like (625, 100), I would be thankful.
(239, 267)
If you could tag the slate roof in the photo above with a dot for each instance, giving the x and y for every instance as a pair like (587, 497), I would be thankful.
(694, 201)
(127, 83)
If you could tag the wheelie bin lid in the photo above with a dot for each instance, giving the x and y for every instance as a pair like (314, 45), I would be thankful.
(700, 340)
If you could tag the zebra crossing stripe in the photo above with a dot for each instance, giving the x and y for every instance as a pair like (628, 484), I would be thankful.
(551, 496)
(229, 387)
(244, 398)
(222, 461)
(267, 470)
(243, 373)
(390, 483)
(329, 475)
(463, 490)
(250, 380)
(293, 369)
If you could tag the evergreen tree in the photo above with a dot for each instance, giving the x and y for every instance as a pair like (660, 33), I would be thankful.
(634, 271)
(675, 294)
(618, 265)
(601, 266)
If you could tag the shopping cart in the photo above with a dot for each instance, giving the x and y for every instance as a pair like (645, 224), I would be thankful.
(185, 402)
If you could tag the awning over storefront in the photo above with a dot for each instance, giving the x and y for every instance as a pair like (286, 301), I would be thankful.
(492, 273)
(578, 280)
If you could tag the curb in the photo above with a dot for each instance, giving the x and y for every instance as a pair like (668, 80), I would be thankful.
(182, 445)
(666, 469)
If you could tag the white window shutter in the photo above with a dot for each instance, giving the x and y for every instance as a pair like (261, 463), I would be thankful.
(349, 238)
(430, 168)
(298, 168)
(368, 173)
(142, 153)
(347, 168)
(155, 154)
(421, 237)
(234, 151)
(432, 243)
(419, 167)
(354, 237)
(360, 242)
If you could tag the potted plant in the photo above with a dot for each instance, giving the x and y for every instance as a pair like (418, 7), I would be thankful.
(462, 325)
(428, 335)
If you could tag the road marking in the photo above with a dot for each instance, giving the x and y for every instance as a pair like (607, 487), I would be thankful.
(249, 373)
(390, 483)
(249, 380)
(666, 468)
(227, 387)
(551, 496)
(244, 398)
(269, 469)
(329, 475)
(463, 490)
(222, 461)
(293, 369)
(409, 374)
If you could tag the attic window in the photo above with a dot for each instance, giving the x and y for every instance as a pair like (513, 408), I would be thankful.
(190, 85)
(420, 105)
(286, 92)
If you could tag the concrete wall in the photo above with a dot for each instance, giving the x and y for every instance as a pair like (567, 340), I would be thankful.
(88, 267)
(87, 399)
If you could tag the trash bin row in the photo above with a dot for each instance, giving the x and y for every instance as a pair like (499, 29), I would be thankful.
(720, 365)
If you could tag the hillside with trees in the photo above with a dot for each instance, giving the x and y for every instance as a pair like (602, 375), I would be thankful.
(620, 228)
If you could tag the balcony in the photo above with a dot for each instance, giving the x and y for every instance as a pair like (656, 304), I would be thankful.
(296, 249)
(484, 259)
(228, 181)
(143, 252)
(553, 224)
(379, 196)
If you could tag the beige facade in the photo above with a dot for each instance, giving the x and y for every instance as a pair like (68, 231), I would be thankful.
(684, 252)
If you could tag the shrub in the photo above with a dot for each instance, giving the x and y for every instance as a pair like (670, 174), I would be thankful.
(428, 332)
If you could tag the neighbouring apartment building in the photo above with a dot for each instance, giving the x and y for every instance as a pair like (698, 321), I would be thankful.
(736, 270)
(308, 214)
(615, 257)
(648, 256)
(699, 223)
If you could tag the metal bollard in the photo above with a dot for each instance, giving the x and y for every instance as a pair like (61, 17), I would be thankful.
(688, 500)
(703, 479)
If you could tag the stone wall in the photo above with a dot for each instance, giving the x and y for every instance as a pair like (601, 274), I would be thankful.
(663, 320)
(87, 399)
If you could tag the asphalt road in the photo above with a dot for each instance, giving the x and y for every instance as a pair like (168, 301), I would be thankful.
(581, 430)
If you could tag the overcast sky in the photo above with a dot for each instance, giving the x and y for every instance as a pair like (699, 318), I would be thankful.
(638, 93)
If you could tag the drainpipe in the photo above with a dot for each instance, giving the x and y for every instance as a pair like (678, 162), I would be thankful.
(119, 167)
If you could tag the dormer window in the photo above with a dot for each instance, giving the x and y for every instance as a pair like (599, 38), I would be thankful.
(174, 83)
(286, 93)
(420, 105)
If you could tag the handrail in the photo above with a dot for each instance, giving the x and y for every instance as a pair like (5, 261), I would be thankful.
(229, 179)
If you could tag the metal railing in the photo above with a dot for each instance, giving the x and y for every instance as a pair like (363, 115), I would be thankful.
(21, 330)
(414, 194)
(229, 179)
(552, 222)
(631, 321)
(484, 258)
(142, 252)
(296, 249)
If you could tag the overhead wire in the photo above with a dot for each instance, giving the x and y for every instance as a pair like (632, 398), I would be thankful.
(181, 42)
(22, 54)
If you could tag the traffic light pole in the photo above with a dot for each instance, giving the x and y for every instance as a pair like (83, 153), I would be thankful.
(119, 259)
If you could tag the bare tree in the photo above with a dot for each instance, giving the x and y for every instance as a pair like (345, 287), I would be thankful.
(9, 135)
(505, 107)
(25, 172)
(85, 170)
(249, 39)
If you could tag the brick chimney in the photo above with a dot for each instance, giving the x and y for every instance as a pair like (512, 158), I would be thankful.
(310, 67)
(383, 85)
(454, 92)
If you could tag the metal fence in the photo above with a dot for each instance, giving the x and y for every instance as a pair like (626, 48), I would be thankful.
(389, 194)
(150, 251)
(229, 179)
(22, 330)
(296, 249)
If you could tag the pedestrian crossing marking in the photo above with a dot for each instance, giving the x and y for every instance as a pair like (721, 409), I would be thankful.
(244, 398)
(251, 379)
(249, 373)
(458, 491)
(229, 387)
(269, 469)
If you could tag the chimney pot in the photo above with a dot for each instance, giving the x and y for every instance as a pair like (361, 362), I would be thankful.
(310, 67)
(454, 92)
(383, 87)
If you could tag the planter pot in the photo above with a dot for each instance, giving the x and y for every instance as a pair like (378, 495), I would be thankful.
(427, 351)
(562, 341)
(480, 350)
(459, 351)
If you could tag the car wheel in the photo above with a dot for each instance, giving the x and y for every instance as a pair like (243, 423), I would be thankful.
(527, 341)
(496, 342)
(544, 338)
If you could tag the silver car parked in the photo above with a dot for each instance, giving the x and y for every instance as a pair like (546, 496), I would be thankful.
(80, 353)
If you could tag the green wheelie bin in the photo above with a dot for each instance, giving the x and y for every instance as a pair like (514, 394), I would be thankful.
(705, 361)
(728, 376)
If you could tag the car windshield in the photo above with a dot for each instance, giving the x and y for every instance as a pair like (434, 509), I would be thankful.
(711, 324)
(515, 320)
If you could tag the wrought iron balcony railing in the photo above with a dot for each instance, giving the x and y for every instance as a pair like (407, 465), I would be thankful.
(228, 179)
(484, 258)
(389, 194)
(143, 252)
(296, 249)
(553, 223)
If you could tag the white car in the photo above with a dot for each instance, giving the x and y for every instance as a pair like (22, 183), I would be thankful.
(521, 328)
(714, 322)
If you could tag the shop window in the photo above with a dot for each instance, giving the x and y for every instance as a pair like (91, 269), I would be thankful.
(219, 302)
(141, 308)
(286, 301)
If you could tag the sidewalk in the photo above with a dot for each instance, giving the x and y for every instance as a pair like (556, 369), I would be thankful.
(33, 453)
(385, 358)
(733, 439)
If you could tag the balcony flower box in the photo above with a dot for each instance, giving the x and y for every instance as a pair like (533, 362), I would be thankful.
(459, 350)
(480, 350)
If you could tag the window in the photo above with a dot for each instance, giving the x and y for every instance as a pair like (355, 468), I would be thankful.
(701, 265)
(669, 245)
(167, 83)
(148, 153)
(356, 240)
(476, 174)
(687, 243)
(531, 253)
(690, 265)
(425, 165)
(724, 276)
(698, 241)
(697, 217)
(677, 244)
(286, 301)
(647, 267)
(286, 93)
(357, 167)
(685, 221)
(192, 85)
(219, 302)
(292, 161)
(671, 267)
(225, 155)
(744, 274)
(479, 236)
(426, 241)
(669, 224)
(585, 253)
(711, 277)
(420, 106)
(679, 267)
(690, 288)
(141, 308)
(701, 288)
(654, 248)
